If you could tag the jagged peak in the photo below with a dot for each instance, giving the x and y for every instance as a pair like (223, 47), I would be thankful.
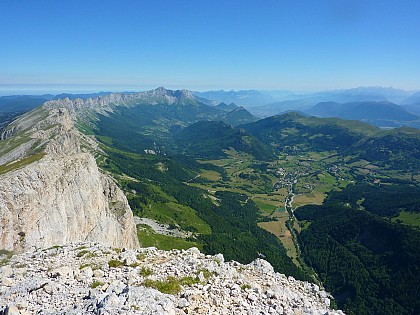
(106, 103)
(161, 89)
(172, 93)
(187, 94)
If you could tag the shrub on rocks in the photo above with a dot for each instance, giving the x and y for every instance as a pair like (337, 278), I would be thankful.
(145, 271)
(113, 263)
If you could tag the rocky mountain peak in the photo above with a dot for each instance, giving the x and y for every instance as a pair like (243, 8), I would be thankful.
(161, 91)
(186, 94)
(180, 94)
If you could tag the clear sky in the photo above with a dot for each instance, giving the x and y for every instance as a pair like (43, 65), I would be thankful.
(200, 45)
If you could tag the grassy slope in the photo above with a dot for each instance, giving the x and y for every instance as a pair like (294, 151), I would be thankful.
(20, 163)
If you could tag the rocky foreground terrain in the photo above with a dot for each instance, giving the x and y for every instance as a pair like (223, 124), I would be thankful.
(87, 278)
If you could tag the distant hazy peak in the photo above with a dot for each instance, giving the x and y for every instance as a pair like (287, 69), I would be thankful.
(364, 111)
(175, 93)
(161, 90)
(413, 99)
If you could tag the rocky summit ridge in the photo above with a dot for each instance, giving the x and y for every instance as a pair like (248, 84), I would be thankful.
(51, 189)
(87, 278)
(107, 103)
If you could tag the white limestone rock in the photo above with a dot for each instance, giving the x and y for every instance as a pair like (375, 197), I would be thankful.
(51, 282)
(62, 196)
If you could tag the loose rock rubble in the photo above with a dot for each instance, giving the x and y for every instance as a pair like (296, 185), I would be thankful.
(164, 229)
(87, 278)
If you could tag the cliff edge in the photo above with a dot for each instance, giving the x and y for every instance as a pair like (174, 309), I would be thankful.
(51, 190)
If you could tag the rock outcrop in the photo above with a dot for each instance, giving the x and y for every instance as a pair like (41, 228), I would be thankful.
(93, 279)
(51, 190)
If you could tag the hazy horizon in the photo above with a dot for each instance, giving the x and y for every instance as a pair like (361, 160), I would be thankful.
(11, 90)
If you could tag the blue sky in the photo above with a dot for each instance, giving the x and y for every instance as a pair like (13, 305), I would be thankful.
(200, 45)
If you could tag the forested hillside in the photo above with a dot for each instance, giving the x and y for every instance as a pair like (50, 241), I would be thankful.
(209, 139)
(231, 217)
(369, 263)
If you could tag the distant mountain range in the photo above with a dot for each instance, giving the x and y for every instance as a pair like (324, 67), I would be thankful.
(242, 97)
(383, 107)
(256, 98)
(382, 114)
(412, 100)
(412, 104)
(375, 105)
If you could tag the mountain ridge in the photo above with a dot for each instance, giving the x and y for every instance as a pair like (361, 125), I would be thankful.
(375, 110)
(40, 206)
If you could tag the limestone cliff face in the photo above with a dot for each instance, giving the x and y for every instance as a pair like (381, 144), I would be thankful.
(51, 190)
